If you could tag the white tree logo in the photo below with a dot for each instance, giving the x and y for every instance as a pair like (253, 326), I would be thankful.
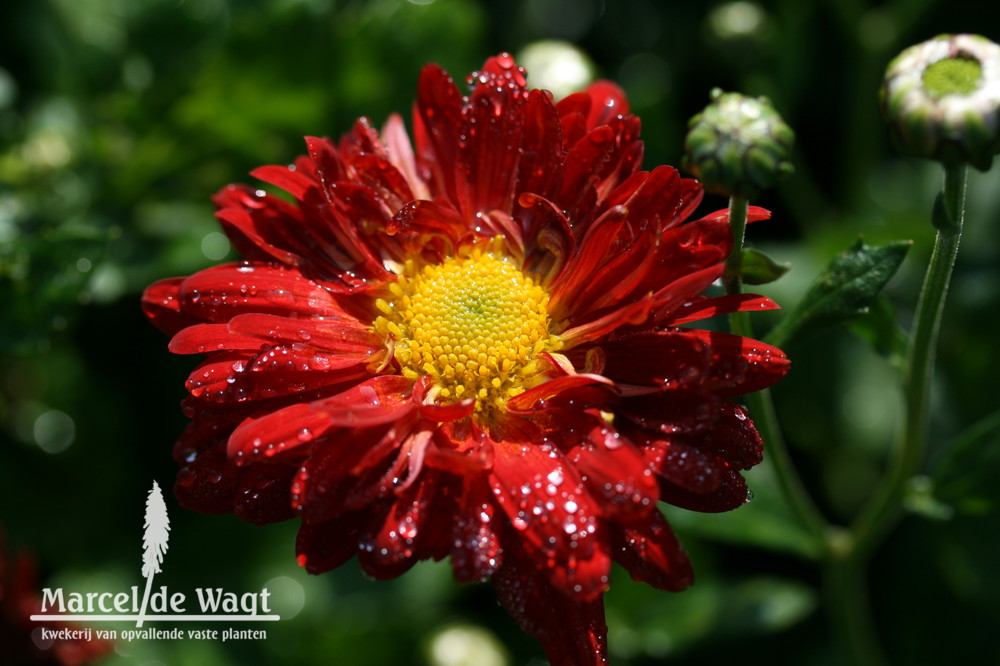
(154, 542)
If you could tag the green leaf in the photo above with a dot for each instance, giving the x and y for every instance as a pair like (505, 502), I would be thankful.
(758, 268)
(965, 476)
(643, 621)
(847, 289)
(880, 328)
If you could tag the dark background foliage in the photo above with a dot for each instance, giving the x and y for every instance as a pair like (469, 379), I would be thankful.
(120, 118)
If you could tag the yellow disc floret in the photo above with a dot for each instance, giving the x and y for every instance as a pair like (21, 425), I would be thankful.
(474, 322)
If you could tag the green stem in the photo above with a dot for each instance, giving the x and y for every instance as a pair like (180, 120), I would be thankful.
(885, 509)
(759, 403)
(849, 607)
(847, 566)
(738, 207)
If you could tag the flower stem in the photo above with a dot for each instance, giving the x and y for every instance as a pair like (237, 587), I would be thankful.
(846, 567)
(738, 207)
(760, 403)
(880, 514)
(849, 607)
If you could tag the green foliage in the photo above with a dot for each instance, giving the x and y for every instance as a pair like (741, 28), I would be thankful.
(851, 282)
(757, 268)
(965, 475)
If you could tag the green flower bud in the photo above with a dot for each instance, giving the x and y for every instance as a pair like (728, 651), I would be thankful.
(738, 145)
(941, 99)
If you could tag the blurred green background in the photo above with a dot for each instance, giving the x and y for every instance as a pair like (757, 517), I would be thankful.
(120, 118)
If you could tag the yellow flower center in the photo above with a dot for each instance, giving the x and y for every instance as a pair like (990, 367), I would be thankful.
(475, 323)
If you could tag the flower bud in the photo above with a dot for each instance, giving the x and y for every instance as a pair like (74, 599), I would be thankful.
(738, 145)
(941, 99)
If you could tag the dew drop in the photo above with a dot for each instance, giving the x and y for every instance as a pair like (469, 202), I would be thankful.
(408, 528)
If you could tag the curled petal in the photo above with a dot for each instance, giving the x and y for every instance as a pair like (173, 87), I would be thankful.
(754, 214)
(616, 473)
(288, 178)
(741, 365)
(651, 554)
(730, 492)
(718, 427)
(401, 155)
(535, 399)
(686, 466)
(704, 308)
(161, 306)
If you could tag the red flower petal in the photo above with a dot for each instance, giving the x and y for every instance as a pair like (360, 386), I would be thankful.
(754, 214)
(741, 365)
(534, 400)
(541, 166)
(718, 427)
(730, 492)
(573, 633)
(162, 307)
(262, 496)
(287, 178)
(220, 293)
(373, 402)
(326, 545)
(490, 138)
(476, 553)
(212, 378)
(665, 359)
(585, 165)
(401, 155)
(616, 473)
(332, 333)
(208, 483)
(340, 472)
(206, 338)
(651, 554)
(686, 466)
(437, 122)
(410, 532)
(703, 308)
(250, 219)
(551, 507)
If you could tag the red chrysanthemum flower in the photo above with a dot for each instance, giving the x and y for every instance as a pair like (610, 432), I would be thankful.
(470, 346)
